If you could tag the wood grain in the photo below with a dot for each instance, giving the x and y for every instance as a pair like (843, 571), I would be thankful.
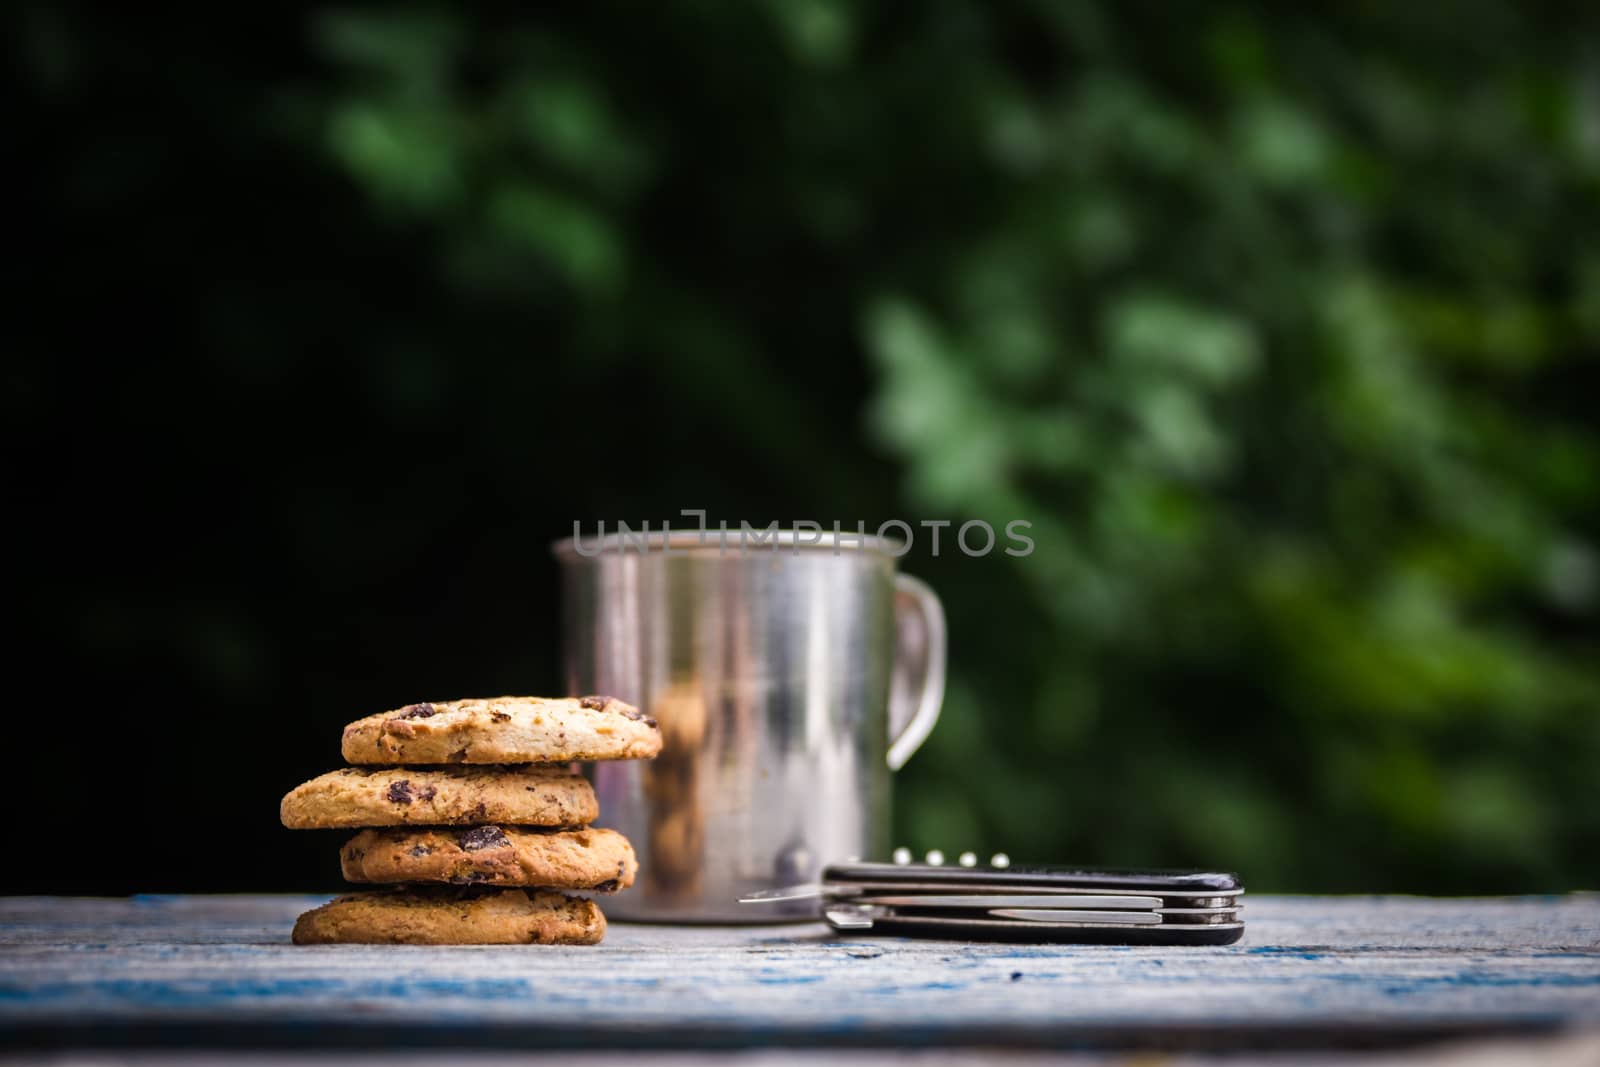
(1311, 972)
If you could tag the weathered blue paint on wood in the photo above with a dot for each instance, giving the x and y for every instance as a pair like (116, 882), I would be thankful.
(1309, 971)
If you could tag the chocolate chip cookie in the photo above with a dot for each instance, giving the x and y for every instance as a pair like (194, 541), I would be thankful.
(504, 730)
(440, 796)
(443, 915)
(600, 861)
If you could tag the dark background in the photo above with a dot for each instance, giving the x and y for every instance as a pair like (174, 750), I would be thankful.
(323, 323)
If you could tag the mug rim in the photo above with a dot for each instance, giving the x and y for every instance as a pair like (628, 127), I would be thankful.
(705, 542)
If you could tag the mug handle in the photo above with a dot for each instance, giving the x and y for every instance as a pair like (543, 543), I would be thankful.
(919, 633)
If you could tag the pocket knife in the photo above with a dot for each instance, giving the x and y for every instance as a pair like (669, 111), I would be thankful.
(1002, 902)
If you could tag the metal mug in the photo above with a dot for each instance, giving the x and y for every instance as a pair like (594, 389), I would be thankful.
(789, 678)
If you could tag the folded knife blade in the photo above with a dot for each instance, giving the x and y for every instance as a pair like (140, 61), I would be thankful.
(1072, 915)
(1006, 900)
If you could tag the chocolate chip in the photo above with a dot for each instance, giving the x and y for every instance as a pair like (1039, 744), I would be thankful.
(600, 703)
(417, 711)
(481, 837)
(499, 716)
(470, 877)
(421, 850)
(607, 886)
(400, 792)
(458, 756)
(427, 792)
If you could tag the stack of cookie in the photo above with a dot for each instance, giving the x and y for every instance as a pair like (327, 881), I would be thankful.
(472, 812)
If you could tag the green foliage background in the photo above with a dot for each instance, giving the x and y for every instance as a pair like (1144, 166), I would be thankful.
(1280, 329)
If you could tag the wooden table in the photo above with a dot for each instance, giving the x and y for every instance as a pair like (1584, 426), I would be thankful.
(1312, 972)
